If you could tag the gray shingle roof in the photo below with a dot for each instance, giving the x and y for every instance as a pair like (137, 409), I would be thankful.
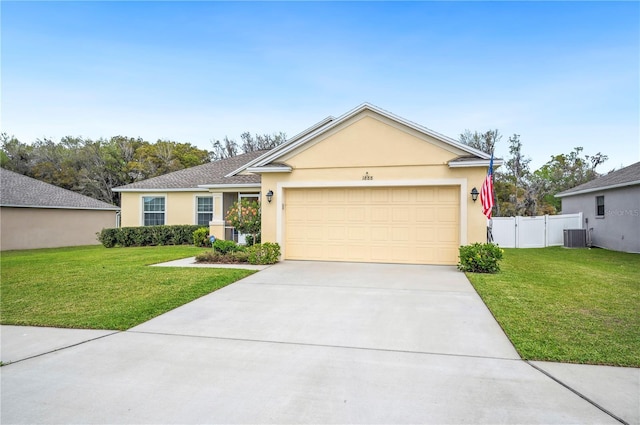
(627, 176)
(205, 174)
(17, 190)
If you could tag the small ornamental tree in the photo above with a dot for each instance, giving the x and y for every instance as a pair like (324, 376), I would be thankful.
(244, 215)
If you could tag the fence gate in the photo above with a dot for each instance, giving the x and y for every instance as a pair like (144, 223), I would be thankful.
(533, 232)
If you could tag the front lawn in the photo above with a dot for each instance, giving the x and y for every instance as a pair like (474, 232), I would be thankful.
(98, 288)
(567, 305)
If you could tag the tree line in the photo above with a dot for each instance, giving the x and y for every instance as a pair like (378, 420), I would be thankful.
(520, 191)
(94, 167)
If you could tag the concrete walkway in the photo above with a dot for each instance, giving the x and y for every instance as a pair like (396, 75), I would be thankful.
(304, 342)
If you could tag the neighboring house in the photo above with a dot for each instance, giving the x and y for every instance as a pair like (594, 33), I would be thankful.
(35, 214)
(610, 206)
(367, 186)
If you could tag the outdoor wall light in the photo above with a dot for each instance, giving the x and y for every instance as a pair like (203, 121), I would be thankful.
(270, 196)
(474, 194)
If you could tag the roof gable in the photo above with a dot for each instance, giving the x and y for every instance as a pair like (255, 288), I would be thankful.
(368, 139)
(314, 128)
(627, 176)
(293, 146)
(17, 190)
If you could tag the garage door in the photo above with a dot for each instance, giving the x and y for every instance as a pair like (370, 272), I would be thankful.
(415, 225)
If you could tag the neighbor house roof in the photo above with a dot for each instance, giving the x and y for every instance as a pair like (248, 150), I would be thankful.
(627, 176)
(212, 174)
(17, 190)
(268, 162)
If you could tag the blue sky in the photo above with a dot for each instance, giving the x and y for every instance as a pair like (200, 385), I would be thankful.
(560, 74)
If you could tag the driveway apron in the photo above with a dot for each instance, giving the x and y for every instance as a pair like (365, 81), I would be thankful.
(302, 342)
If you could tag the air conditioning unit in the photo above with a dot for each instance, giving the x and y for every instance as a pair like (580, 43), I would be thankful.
(575, 238)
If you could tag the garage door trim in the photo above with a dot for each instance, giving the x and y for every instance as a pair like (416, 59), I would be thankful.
(281, 186)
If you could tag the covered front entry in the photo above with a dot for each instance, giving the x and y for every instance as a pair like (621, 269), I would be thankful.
(414, 225)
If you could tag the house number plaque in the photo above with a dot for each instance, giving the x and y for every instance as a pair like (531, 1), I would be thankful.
(367, 176)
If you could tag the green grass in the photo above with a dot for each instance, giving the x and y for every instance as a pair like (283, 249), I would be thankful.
(98, 288)
(567, 305)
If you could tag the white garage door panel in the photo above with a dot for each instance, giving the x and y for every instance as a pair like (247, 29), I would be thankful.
(416, 225)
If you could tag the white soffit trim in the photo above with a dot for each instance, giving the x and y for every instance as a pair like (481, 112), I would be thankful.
(476, 163)
(284, 149)
(231, 186)
(598, 189)
(187, 189)
(303, 133)
(267, 169)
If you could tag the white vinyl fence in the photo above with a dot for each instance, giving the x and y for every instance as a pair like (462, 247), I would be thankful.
(533, 232)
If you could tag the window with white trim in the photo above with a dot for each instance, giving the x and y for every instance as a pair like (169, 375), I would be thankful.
(204, 208)
(600, 206)
(153, 210)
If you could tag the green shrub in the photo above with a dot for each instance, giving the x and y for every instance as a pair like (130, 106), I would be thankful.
(184, 234)
(480, 258)
(248, 240)
(240, 256)
(162, 235)
(225, 247)
(220, 258)
(148, 235)
(200, 237)
(266, 253)
(208, 257)
(108, 237)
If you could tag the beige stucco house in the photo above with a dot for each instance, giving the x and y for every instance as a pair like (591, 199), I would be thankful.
(367, 186)
(35, 214)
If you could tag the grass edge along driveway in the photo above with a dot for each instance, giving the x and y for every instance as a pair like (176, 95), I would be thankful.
(567, 305)
(93, 287)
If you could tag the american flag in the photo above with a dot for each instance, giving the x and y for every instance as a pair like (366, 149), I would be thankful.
(486, 193)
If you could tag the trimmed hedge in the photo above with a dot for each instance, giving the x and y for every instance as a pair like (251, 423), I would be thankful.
(148, 235)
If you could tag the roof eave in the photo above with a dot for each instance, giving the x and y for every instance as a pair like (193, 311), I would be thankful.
(142, 189)
(58, 207)
(267, 169)
(596, 189)
(303, 133)
(231, 186)
(282, 150)
(478, 163)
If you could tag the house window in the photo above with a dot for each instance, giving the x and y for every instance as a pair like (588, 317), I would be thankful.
(204, 205)
(153, 210)
(600, 206)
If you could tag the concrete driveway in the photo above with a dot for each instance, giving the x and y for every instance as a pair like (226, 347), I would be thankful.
(301, 342)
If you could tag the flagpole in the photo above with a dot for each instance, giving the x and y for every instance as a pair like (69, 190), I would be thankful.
(487, 198)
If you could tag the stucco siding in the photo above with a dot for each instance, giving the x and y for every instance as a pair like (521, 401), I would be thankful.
(473, 229)
(370, 140)
(180, 207)
(370, 151)
(29, 228)
(130, 204)
(619, 229)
